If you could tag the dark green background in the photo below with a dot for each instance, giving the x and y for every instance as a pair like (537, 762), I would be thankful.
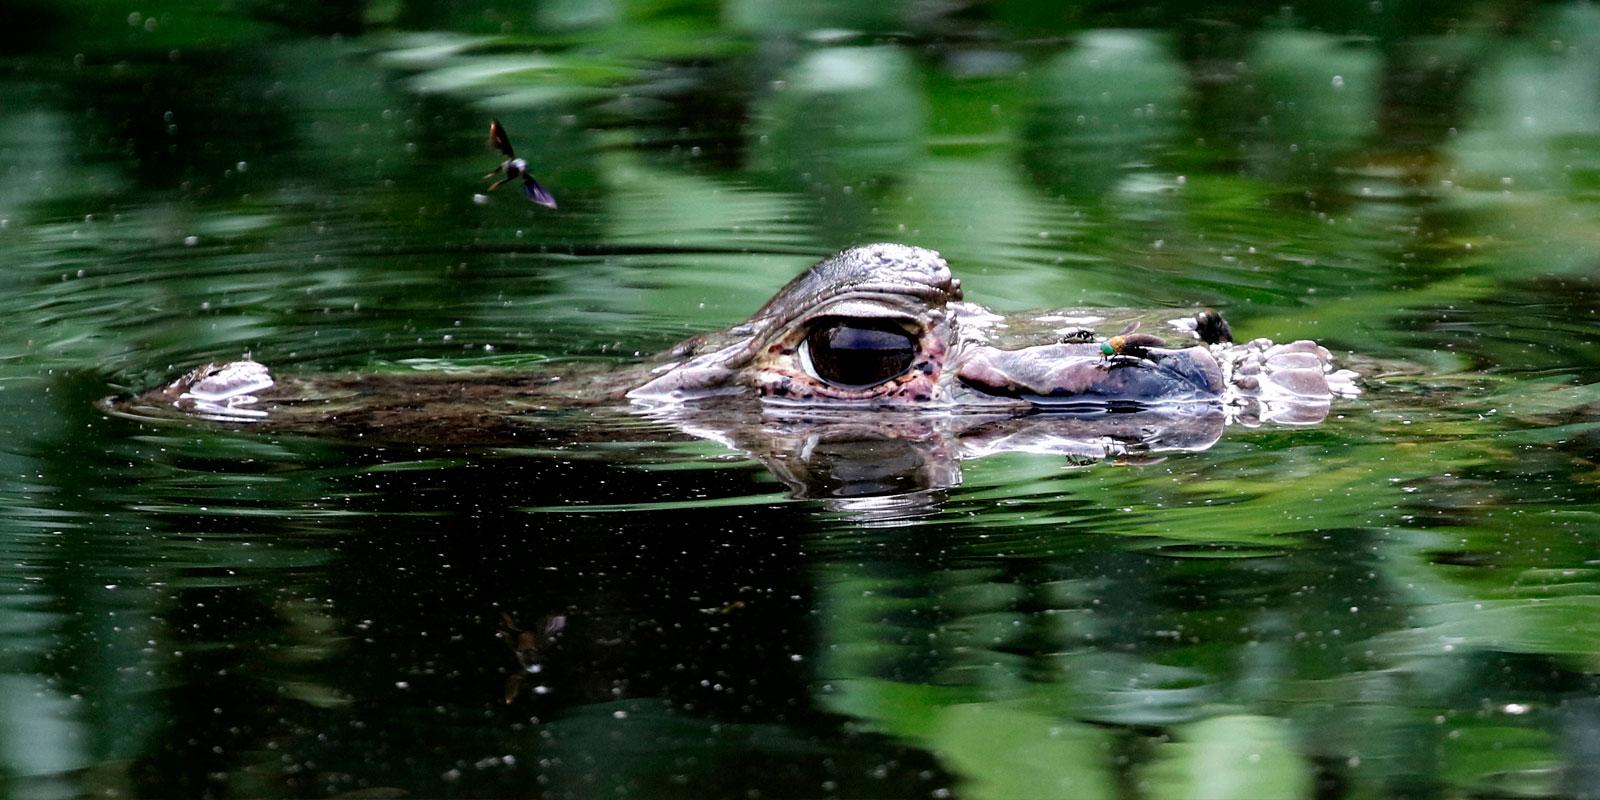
(1400, 602)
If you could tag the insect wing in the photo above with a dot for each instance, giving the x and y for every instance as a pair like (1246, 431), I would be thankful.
(498, 138)
(537, 193)
(553, 625)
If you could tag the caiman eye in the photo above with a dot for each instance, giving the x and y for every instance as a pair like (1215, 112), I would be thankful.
(859, 353)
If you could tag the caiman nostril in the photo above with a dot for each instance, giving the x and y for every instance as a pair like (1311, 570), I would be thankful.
(1211, 327)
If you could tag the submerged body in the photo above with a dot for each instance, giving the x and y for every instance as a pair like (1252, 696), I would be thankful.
(874, 343)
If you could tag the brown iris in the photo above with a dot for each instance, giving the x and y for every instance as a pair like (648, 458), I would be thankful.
(853, 353)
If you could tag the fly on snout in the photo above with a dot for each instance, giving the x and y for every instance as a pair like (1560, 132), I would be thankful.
(513, 168)
(1130, 344)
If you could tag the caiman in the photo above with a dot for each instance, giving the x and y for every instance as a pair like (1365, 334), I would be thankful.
(870, 350)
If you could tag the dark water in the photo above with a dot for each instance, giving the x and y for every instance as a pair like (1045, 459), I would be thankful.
(1399, 602)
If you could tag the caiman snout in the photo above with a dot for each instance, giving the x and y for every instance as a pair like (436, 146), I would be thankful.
(1081, 372)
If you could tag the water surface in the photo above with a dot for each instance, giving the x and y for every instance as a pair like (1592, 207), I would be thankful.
(1399, 602)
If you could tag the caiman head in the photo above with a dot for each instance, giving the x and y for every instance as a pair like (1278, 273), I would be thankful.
(885, 325)
(871, 325)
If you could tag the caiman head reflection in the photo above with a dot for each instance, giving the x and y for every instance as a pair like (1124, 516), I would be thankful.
(866, 375)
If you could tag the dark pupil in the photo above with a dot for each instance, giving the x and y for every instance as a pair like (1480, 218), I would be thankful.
(856, 354)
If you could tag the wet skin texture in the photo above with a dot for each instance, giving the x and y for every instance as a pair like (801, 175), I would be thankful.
(878, 334)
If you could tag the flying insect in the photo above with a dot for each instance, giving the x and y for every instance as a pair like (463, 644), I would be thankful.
(1130, 344)
(529, 646)
(513, 168)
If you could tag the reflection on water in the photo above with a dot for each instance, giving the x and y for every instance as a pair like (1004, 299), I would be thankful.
(1400, 601)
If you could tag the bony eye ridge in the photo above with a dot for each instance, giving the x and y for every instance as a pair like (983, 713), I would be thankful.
(856, 354)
